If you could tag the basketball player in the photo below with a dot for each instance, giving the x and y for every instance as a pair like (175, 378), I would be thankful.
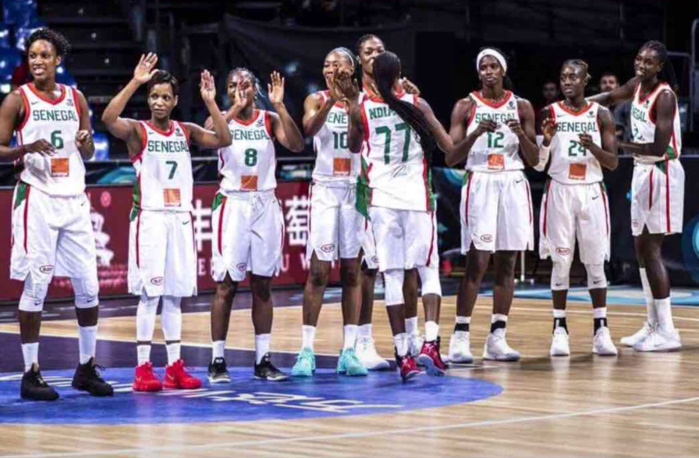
(247, 217)
(580, 139)
(162, 251)
(51, 227)
(386, 130)
(496, 216)
(657, 188)
(334, 219)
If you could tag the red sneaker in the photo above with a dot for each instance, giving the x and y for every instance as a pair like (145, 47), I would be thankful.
(145, 379)
(407, 367)
(177, 377)
(430, 358)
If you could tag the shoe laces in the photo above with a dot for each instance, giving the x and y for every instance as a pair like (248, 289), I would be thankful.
(96, 370)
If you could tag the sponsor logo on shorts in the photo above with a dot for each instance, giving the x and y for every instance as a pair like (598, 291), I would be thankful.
(157, 281)
(328, 248)
(634, 223)
(375, 259)
(241, 267)
(595, 197)
(487, 238)
(47, 269)
(563, 251)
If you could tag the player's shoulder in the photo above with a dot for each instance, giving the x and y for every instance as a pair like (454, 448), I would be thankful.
(465, 104)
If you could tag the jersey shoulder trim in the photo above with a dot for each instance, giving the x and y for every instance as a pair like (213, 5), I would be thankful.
(170, 129)
(76, 101)
(268, 124)
(476, 95)
(185, 131)
(247, 122)
(43, 98)
(27, 109)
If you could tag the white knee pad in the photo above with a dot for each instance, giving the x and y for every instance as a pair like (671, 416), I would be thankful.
(33, 295)
(560, 276)
(596, 278)
(86, 292)
(393, 280)
(429, 278)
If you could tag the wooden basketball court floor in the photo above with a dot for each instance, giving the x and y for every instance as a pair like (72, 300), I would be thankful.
(633, 405)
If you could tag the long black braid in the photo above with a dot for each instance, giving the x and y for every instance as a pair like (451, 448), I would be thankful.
(387, 70)
(667, 73)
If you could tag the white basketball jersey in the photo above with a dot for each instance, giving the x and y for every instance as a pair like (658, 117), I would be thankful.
(249, 163)
(570, 162)
(494, 151)
(164, 178)
(643, 124)
(334, 161)
(394, 166)
(56, 121)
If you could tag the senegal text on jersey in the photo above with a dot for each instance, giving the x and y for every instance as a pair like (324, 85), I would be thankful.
(497, 117)
(337, 118)
(54, 115)
(637, 113)
(174, 146)
(257, 134)
(580, 126)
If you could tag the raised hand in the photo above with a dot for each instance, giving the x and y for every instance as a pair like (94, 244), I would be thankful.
(145, 69)
(83, 139)
(276, 89)
(346, 86)
(515, 127)
(548, 129)
(410, 87)
(40, 146)
(207, 87)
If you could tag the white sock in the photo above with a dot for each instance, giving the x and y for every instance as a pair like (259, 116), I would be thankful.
(664, 311)
(651, 311)
(87, 342)
(365, 331)
(218, 348)
(431, 331)
(30, 354)
(143, 352)
(350, 332)
(173, 352)
(498, 317)
(462, 320)
(559, 313)
(308, 335)
(600, 312)
(171, 318)
(261, 346)
(401, 343)
(411, 326)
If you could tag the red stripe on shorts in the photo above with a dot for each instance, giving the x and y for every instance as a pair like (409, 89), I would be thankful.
(26, 216)
(138, 236)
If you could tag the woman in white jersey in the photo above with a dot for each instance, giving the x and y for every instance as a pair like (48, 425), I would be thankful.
(51, 227)
(657, 189)
(162, 251)
(334, 219)
(395, 134)
(247, 219)
(496, 216)
(579, 136)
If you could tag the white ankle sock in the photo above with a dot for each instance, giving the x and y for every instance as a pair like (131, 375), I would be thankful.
(401, 343)
(431, 331)
(173, 352)
(411, 326)
(664, 310)
(30, 354)
(350, 333)
(308, 334)
(262, 342)
(87, 342)
(143, 352)
(365, 330)
(651, 310)
(218, 349)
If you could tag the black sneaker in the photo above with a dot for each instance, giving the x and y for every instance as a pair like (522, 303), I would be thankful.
(35, 388)
(266, 371)
(218, 373)
(87, 378)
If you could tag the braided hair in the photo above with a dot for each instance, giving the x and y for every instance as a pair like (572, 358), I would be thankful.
(667, 72)
(387, 70)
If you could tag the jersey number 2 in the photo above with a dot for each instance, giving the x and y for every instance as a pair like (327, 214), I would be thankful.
(495, 139)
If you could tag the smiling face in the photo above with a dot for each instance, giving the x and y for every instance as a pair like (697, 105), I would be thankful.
(647, 64)
(162, 101)
(371, 48)
(490, 72)
(336, 62)
(247, 87)
(43, 60)
(573, 81)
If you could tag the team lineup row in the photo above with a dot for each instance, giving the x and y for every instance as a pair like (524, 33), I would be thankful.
(372, 205)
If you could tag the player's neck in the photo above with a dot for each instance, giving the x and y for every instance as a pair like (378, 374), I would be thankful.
(494, 93)
(368, 84)
(47, 86)
(246, 113)
(577, 103)
(161, 124)
(649, 84)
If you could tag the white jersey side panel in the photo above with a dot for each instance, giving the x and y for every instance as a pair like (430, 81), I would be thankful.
(334, 161)
(56, 121)
(643, 124)
(570, 162)
(494, 151)
(249, 163)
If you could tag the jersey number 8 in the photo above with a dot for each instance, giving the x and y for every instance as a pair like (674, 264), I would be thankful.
(251, 157)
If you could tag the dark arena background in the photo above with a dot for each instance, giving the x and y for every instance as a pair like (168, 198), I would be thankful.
(636, 404)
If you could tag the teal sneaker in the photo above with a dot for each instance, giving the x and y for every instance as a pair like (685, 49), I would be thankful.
(305, 364)
(349, 364)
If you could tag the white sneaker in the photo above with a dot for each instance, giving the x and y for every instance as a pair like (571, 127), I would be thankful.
(660, 340)
(366, 352)
(602, 344)
(460, 348)
(414, 344)
(496, 347)
(640, 335)
(559, 342)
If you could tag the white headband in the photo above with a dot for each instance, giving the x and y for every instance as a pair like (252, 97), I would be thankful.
(346, 53)
(493, 53)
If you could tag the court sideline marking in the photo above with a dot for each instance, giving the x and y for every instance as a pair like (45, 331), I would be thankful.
(257, 443)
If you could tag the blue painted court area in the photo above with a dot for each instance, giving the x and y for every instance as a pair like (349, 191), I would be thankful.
(617, 295)
(244, 399)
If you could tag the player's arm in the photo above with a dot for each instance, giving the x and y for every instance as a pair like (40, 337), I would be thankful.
(457, 131)
(606, 154)
(11, 111)
(618, 95)
(315, 112)
(355, 127)
(83, 139)
(220, 136)
(283, 126)
(525, 131)
(443, 139)
(547, 129)
(664, 117)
